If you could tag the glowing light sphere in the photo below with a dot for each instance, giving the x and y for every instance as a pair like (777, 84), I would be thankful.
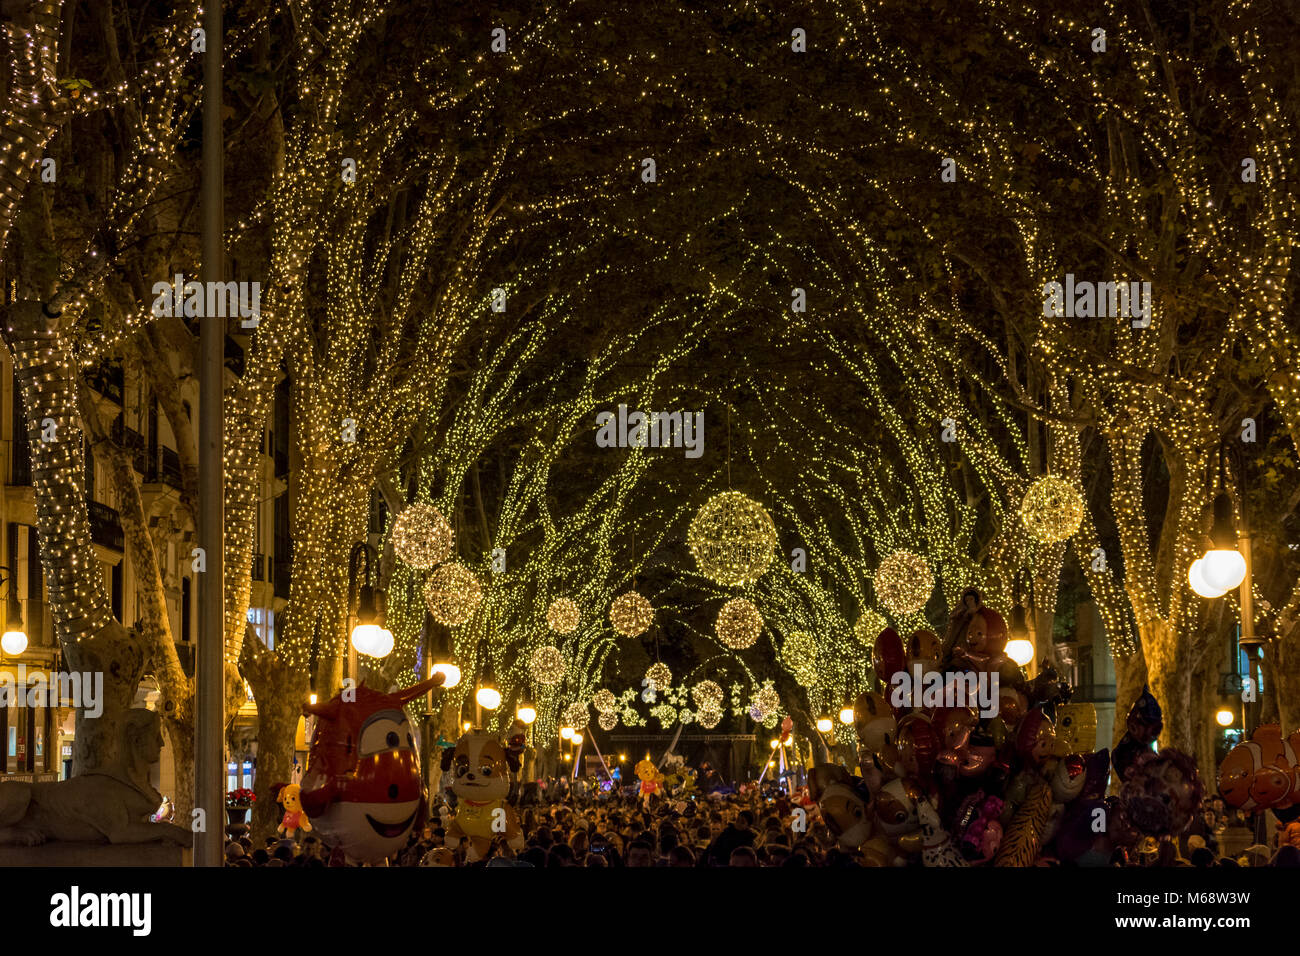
(1020, 650)
(903, 582)
(660, 674)
(1196, 578)
(739, 624)
(604, 701)
(766, 703)
(707, 693)
(489, 698)
(869, 625)
(733, 539)
(630, 614)
(15, 642)
(546, 665)
(799, 653)
(452, 594)
(1052, 509)
(575, 715)
(422, 537)
(562, 616)
(709, 717)
(607, 721)
(1223, 569)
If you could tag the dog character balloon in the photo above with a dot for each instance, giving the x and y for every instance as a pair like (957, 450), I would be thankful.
(289, 796)
(362, 789)
(481, 767)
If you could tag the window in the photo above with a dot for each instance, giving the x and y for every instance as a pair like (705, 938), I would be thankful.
(263, 621)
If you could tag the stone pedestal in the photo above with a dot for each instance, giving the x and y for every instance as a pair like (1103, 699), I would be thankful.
(96, 854)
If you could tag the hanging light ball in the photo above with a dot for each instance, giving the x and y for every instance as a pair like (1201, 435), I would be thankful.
(739, 624)
(422, 537)
(799, 653)
(562, 616)
(660, 675)
(903, 582)
(766, 703)
(709, 717)
(630, 614)
(868, 627)
(706, 693)
(546, 665)
(575, 715)
(452, 594)
(1052, 510)
(608, 720)
(604, 701)
(733, 539)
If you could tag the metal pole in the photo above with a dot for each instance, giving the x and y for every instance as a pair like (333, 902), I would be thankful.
(209, 679)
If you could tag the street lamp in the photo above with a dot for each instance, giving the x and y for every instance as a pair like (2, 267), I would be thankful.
(824, 724)
(369, 636)
(1019, 648)
(1224, 717)
(566, 733)
(450, 670)
(488, 697)
(526, 712)
(846, 714)
(14, 640)
(1223, 567)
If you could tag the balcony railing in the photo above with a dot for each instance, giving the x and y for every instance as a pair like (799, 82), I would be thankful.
(105, 526)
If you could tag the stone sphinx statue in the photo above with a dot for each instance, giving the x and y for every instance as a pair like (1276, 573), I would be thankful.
(109, 805)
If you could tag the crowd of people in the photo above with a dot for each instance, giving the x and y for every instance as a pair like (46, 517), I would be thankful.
(586, 827)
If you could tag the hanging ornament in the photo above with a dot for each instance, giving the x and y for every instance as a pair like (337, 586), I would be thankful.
(421, 536)
(799, 653)
(904, 582)
(706, 693)
(870, 623)
(766, 703)
(608, 720)
(546, 665)
(630, 614)
(604, 701)
(739, 624)
(575, 715)
(733, 539)
(452, 594)
(660, 675)
(562, 616)
(709, 717)
(1052, 510)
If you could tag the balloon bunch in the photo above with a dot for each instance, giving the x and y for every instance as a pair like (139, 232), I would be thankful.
(1262, 773)
(964, 761)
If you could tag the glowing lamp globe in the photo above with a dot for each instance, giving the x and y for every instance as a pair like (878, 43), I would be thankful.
(577, 739)
(1224, 718)
(566, 733)
(824, 724)
(451, 673)
(732, 539)
(488, 697)
(846, 715)
(1196, 578)
(13, 642)
(774, 743)
(1223, 570)
(371, 640)
(1020, 650)
(527, 713)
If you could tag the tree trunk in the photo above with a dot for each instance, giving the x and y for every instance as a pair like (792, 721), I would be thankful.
(1130, 677)
(280, 692)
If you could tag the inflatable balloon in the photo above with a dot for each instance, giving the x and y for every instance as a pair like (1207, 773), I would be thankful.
(1162, 792)
(1261, 773)
(362, 789)
(481, 767)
